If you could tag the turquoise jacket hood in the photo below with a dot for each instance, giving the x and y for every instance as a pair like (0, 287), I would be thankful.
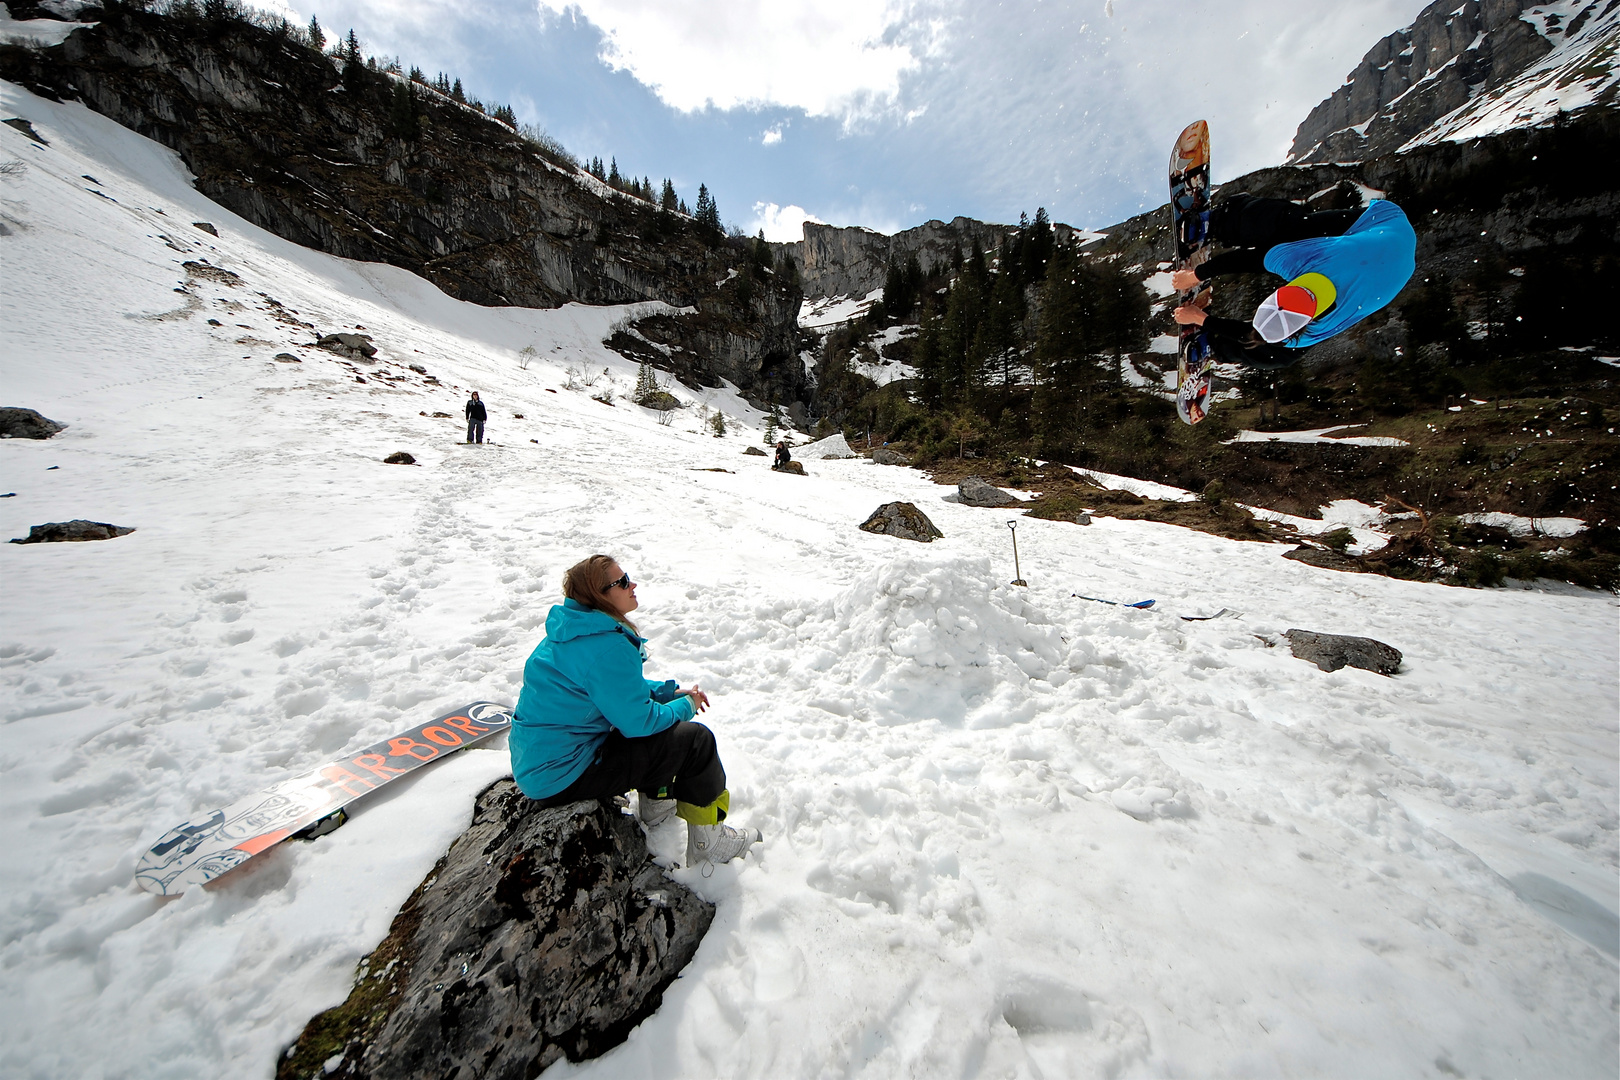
(582, 682)
(1368, 265)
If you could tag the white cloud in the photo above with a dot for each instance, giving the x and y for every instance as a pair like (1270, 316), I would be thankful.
(772, 136)
(782, 224)
(827, 57)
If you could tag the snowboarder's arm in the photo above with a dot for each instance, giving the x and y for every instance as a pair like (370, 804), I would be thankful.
(616, 687)
(1236, 261)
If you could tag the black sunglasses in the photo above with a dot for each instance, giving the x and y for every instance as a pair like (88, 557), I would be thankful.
(618, 583)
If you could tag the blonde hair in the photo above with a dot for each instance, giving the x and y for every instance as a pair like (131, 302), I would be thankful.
(586, 584)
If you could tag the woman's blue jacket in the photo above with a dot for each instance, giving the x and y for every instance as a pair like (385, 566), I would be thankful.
(581, 682)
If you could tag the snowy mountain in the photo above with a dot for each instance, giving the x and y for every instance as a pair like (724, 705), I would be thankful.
(1009, 832)
(1463, 70)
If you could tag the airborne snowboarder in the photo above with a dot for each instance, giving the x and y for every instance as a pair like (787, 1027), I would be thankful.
(1340, 266)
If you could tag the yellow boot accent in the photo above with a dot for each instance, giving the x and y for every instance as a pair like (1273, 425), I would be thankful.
(713, 814)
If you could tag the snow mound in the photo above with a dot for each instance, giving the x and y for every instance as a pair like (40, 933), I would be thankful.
(833, 446)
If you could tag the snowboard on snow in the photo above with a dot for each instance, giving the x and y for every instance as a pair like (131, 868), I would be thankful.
(306, 806)
(1189, 215)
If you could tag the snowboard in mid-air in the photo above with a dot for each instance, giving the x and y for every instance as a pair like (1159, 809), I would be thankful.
(1189, 221)
(204, 848)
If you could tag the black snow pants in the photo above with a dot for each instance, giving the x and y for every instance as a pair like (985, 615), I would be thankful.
(680, 762)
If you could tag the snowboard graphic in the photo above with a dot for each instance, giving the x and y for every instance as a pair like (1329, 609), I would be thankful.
(1189, 222)
(312, 804)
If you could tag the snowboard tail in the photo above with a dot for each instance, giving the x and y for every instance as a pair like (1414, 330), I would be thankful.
(1189, 218)
(198, 851)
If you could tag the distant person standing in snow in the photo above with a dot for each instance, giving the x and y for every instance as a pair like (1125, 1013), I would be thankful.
(782, 455)
(475, 418)
(589, 725)
(1340, 266)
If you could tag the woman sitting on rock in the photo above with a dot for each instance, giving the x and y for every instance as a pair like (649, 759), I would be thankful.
(588, 725)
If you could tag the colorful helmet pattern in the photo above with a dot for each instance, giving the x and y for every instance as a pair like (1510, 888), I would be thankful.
(1288, 310)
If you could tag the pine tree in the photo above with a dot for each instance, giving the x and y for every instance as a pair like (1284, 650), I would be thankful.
(457, 93)
(613, 178)
(317, 36)
(1037, 247)
(684, 209)
(718, 424)
(667, 200)
(404, 118)
(416, 75)
(646, 384)
(770, 426)
(708, 214)
(354, 71)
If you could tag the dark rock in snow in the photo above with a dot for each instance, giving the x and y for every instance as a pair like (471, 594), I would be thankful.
(354, 346)
(541, 934)
(1330, 652)
(1325, 559)
(975, 492)
(884, 456)
(26, 424)
(901, 519)
(287, 358)
(206, 227)
(754, 451)
(794, 467)
(399, 458)
(26, 127)
(57, 532)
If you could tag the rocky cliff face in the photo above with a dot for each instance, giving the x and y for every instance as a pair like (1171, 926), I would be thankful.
(851, 261)
(1467, 57)
(350, 165)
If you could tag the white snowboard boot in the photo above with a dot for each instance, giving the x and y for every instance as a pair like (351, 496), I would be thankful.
(654, 812)
(717, 843)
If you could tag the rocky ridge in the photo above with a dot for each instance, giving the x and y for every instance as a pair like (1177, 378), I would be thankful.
(1459, 59)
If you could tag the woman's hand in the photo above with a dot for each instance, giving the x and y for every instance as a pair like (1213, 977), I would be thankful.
(1190, 314)
(1183, 280)
(700, 700)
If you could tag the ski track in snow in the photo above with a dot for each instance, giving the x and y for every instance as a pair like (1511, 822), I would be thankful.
(1009, 832)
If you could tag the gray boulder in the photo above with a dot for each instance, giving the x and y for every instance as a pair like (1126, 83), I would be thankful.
(59, 532)
(26, 424)
(794, 467)
(541, 934)
(354, 346)
(1330, 652)
(975, 492)
(884, 456)
(901, 519)
(754, 451)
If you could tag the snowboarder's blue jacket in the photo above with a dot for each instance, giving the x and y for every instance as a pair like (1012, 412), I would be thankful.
(1368, 265)
(581, 682)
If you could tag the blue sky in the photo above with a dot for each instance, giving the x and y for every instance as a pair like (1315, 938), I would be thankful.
(886, 113)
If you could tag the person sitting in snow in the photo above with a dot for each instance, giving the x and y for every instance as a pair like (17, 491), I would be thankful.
(1340, 266)
(475, 418)
(782, 455)
(588, 725)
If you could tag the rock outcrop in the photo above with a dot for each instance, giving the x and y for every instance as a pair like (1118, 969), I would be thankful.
(1454, 53)
(75, 531)
(1330, 652)
(974, 491)
(901, 519)
(884, 456)
(18, 423)
(400, 457)
(369, 165)
(541, 934)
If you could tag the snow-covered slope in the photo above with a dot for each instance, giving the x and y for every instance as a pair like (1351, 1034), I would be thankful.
(1009, 832)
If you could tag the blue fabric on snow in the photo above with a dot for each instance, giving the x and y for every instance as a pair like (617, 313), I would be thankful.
(1368, 265)
(581, 682)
